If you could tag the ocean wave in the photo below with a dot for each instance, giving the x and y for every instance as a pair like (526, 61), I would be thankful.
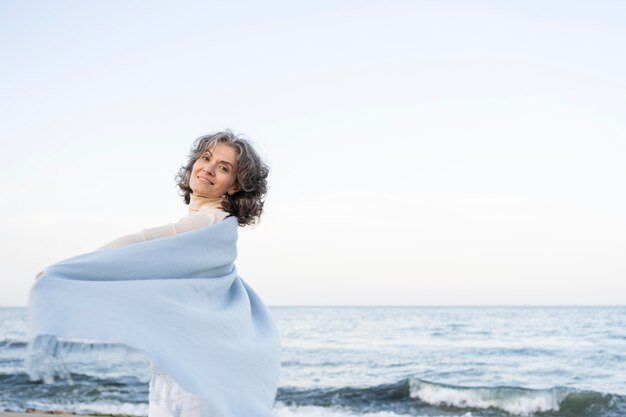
(407, 397)
(416, 396)
(70, 345)
(85, 408)
(513, 400)
(12, 344)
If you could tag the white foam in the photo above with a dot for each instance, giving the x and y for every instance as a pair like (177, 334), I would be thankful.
(512, 400)
(281, 410)
(126, 409)
(141, 410)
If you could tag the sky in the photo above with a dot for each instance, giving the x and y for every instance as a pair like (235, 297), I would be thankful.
(421, 152)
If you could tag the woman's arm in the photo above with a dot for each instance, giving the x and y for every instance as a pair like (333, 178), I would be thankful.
(186, 224)
(193, 221)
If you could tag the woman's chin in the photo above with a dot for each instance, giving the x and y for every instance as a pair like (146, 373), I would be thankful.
(202, 190)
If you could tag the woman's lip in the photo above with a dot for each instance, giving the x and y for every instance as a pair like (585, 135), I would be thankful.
(205, 180)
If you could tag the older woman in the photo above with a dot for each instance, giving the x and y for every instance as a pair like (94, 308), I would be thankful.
(223, 177)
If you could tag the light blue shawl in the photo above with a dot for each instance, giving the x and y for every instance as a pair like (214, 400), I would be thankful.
(178, 299)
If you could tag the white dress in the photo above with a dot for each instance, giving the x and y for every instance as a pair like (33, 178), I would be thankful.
(167, 398)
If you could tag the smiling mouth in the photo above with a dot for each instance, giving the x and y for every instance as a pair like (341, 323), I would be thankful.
(204, 180)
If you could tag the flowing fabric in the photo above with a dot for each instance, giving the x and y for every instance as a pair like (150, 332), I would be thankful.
(178, 299)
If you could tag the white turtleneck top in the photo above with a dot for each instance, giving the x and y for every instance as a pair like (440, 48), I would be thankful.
(202, 212)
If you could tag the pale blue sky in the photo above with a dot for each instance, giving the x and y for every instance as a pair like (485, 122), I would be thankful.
(421, 152)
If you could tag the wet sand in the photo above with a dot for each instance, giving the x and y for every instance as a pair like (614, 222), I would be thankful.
(53, 413)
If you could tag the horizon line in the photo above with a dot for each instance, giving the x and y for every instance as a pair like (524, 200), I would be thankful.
(413, 305)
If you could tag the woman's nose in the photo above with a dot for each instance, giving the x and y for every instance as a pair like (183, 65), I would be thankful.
(208, 168)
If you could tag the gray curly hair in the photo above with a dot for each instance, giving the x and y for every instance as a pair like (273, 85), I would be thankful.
(247, 203)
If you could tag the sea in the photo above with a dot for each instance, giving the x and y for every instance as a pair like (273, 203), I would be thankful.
(375, 362)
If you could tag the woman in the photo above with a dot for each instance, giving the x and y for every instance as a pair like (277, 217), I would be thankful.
(224, 177)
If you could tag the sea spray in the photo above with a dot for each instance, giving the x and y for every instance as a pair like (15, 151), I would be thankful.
(43, 361)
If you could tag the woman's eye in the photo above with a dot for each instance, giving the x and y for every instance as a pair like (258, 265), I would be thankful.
(223, 168)
(206, 158)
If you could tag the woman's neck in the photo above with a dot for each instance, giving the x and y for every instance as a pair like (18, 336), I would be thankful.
(196, 202)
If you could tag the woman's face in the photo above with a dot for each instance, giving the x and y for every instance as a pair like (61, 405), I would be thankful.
(215, 172)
